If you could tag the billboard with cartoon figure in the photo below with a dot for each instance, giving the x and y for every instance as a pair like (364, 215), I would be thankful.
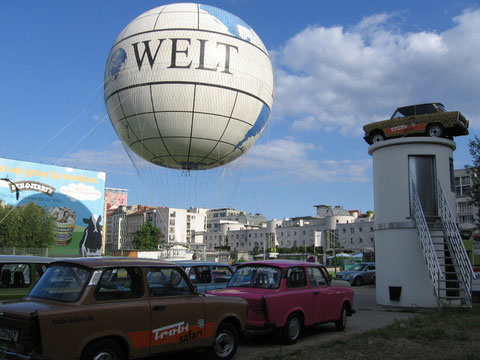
(74, 197)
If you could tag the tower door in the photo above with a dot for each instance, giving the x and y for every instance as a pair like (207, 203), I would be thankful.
(421, 170)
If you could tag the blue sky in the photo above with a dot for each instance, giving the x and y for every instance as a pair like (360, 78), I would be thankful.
(338, 65)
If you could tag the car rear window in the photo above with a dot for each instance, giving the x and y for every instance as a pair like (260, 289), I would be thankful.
(267, 277)
(15, 276)
(61, 282)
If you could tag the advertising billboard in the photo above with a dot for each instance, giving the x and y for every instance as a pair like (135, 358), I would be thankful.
(74, 197)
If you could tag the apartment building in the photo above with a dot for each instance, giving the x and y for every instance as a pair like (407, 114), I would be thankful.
(333, 227)
(116, 229)
(179, 225)
(216, 216)
(467, 213)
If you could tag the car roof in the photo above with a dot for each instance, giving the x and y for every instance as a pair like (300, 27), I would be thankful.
(105, 262)
(279, 263)
(411, 106)
(25, 259)
(198, 263)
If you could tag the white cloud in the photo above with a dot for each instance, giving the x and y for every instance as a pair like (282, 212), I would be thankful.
(80, 192)
(342, 78)
(289, 160)
(113, 157)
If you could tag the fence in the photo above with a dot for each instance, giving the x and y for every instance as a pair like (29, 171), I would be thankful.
(24, 251)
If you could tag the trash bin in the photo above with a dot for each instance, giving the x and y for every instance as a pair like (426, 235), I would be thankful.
(395, 292)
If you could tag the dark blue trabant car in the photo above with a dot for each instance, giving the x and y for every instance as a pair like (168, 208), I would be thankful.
(207, 275)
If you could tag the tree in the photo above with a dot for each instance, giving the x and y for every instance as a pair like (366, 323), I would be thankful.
(26, 226)
(474, 171)
(148, 237)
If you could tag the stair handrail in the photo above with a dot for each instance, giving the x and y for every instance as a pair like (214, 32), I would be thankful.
(426, 241)
(458, 252)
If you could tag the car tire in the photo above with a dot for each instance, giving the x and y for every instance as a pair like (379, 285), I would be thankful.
(377, 137)
(290, 333)
(225, 344)
(358, 281)
(106, 349)
(435, 130)
(341, 323)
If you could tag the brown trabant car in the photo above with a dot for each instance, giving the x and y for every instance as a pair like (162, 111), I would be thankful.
(424, 119)
(117, 308)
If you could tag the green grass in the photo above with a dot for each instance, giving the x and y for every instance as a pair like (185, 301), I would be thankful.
(453, 333)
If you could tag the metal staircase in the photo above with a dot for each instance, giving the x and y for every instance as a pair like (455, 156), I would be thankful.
(447, 260)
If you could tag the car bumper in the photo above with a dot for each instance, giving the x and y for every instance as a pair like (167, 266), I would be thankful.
(9, 355)
(256, 325)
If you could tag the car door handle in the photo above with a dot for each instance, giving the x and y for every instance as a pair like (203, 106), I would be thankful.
(316, 293)
(158, 308)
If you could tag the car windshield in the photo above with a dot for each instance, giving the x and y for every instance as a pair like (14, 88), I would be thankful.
(358, 267)
(266, 277)
(61, 282)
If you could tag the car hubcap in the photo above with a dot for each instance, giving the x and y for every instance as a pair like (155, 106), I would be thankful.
(435, 131)
(104, 356)
(344, 317)
(294, 328)
(224, 344)
(377, 138)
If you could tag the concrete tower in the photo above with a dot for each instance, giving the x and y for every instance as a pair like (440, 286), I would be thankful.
(418, 263)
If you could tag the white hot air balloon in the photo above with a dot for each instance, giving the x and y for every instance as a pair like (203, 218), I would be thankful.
(188, 86)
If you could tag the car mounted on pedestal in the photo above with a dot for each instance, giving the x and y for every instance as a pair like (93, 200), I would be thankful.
(429, 119)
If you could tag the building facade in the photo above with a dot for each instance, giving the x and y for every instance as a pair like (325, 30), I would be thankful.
(332, 228)
(467, 213)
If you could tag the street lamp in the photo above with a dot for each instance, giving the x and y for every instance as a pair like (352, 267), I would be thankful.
(14, 186)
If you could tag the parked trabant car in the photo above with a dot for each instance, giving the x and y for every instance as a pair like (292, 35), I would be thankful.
(359, 274)
(19, 274)
(207, 275)
(288, 295)
(116, 309)
(424, 119)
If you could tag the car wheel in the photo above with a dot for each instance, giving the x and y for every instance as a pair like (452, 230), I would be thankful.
(226, 343)
(377, 137)
(341, 323)
(103, 350)
(357, 281)
(435, 130)
(290, 333)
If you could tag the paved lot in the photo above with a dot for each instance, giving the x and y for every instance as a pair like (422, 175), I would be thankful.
(368, 316)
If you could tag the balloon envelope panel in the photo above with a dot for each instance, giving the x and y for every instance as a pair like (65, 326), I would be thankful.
(188, 86)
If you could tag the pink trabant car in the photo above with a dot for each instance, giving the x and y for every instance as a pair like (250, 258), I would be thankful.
(288, 295)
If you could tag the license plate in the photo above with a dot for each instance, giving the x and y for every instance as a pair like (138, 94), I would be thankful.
(8, 334)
